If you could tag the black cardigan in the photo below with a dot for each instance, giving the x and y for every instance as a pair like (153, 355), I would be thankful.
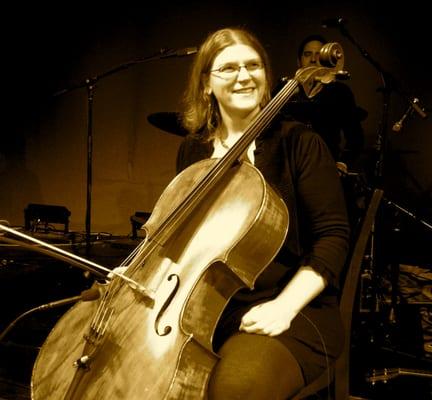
(298, 165)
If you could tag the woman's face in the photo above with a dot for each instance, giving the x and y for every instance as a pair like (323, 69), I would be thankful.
(237, 80)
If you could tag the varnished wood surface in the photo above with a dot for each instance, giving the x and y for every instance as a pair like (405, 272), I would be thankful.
(137, 359)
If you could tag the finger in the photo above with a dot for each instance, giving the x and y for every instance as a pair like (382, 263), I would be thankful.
(251, 326)
(249, 321)
(249, 318)
(246, 326)
(259, 331)
(254, 309)
(251, 329)
(257, 327)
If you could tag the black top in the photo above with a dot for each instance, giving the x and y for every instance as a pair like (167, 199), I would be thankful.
(334, 115)
(298, 165)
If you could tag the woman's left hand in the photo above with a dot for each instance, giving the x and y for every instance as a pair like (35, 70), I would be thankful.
(270, 318)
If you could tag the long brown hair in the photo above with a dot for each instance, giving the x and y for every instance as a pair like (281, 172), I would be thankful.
(201, 114)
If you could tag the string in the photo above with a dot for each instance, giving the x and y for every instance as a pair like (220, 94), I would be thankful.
(168, 225)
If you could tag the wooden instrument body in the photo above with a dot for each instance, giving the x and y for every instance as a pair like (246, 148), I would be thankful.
(163, 349)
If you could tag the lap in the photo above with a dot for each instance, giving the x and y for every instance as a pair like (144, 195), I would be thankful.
(255, 367)
(315, 337)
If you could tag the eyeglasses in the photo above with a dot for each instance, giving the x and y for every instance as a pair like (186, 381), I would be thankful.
(230, 71)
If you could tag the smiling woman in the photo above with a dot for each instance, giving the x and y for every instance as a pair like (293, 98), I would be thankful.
(231, 304)
(283, 332)
(238, 88)
(238, 82)
(240, 67)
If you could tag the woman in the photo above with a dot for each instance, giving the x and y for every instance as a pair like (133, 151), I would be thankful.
(283, 334)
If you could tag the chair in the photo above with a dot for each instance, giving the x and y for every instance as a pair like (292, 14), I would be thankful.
(339, 374)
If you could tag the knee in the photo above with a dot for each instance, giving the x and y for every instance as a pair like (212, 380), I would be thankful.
(236, 387)
(242, 384)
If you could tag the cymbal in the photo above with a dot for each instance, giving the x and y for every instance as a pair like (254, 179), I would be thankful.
(167, 121)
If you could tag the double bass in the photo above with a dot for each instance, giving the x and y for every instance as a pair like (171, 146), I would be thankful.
(149, 336)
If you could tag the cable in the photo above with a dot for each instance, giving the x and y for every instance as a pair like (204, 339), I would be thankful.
(329, 380)
(86, 295)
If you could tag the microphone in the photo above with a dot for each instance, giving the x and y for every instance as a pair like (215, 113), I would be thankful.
(185, 51)
(333, 22)
(413, 106)
(397, 126)
(86, 295)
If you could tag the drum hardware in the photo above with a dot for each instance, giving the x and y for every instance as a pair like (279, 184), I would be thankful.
(371, 273)
(382, 314)
(386, 323)
(38, 217)
(386, 374)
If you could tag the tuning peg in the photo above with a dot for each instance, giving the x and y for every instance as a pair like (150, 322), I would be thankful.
(342, 75)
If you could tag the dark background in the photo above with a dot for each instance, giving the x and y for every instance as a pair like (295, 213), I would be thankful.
(43, 142)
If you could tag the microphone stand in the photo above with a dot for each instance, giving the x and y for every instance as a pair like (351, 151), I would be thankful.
(390, 84)
(90, 85)
(386, 89)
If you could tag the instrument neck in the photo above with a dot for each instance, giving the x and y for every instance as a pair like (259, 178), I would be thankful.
(261, 121)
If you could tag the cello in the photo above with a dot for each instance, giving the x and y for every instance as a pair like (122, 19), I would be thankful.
(209, 235)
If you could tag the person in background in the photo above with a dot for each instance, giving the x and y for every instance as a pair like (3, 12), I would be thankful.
(332, 113)
(280, 336)
(335, 116)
